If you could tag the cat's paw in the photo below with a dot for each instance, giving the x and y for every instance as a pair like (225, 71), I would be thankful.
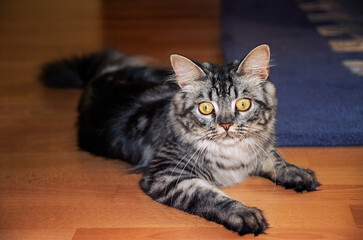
(299, 179)
(247, 220)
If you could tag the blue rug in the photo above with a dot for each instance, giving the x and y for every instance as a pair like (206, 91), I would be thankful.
(320, 99)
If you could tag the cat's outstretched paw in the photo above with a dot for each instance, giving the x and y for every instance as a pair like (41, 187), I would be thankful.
(299, 179)
(247, 220)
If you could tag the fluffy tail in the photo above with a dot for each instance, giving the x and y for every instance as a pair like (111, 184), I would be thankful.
(77, 71)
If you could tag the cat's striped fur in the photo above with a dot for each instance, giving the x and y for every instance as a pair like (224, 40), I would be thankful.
(134, 112)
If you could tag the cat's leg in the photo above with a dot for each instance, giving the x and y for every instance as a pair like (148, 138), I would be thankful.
(199, 197)
(275, 168)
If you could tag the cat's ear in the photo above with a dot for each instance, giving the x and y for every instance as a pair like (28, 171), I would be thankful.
(186, 71)
(256, 63)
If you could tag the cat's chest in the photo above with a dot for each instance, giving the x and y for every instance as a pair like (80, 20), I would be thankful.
(230, 165)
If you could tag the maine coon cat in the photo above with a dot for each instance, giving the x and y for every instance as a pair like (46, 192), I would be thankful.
(189, 129)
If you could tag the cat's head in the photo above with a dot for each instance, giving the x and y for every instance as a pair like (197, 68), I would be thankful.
(225, 104)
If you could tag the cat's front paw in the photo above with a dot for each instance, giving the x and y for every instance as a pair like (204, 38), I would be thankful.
(247, 220)
(299, 179)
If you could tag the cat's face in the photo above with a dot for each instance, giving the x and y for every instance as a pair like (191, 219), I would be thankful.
(225, 104)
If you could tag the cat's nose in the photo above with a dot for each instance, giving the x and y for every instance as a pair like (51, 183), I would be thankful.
(226, 126)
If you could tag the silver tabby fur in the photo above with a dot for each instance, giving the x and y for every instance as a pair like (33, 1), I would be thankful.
(146, 116)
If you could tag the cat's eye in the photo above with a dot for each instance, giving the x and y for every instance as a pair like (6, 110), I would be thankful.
(206, 108)
(243, 104)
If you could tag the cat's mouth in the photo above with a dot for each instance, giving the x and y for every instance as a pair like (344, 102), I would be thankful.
(227, 136)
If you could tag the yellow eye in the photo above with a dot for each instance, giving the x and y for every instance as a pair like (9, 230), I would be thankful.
(243, 104)
(206, 108)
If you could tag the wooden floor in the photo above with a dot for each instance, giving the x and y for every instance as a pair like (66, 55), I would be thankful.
(51, 190)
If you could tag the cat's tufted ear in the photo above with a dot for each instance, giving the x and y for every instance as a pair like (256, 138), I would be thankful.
(186, 71)
(256, 63)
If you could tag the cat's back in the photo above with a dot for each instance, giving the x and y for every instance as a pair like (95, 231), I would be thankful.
(123, 114)
(124, 86)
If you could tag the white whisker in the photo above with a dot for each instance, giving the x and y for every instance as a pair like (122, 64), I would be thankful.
(273, 166)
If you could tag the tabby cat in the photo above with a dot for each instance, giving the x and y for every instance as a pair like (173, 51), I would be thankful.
(189, 129)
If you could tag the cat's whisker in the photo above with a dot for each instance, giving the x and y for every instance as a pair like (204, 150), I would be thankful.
(181, 173)
(286, 168)
(255, 153)
(200, 156)
(263, 138)
(260, 136)
(206, 131)
(248, 128)
(246, 143)
(179, 162)
(268, 156)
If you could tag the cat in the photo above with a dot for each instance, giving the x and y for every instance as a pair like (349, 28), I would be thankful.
(189, 129)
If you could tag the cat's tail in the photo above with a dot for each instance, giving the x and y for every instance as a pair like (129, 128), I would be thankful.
(77, 71)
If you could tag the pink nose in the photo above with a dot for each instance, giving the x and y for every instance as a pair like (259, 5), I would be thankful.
(226, 126)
